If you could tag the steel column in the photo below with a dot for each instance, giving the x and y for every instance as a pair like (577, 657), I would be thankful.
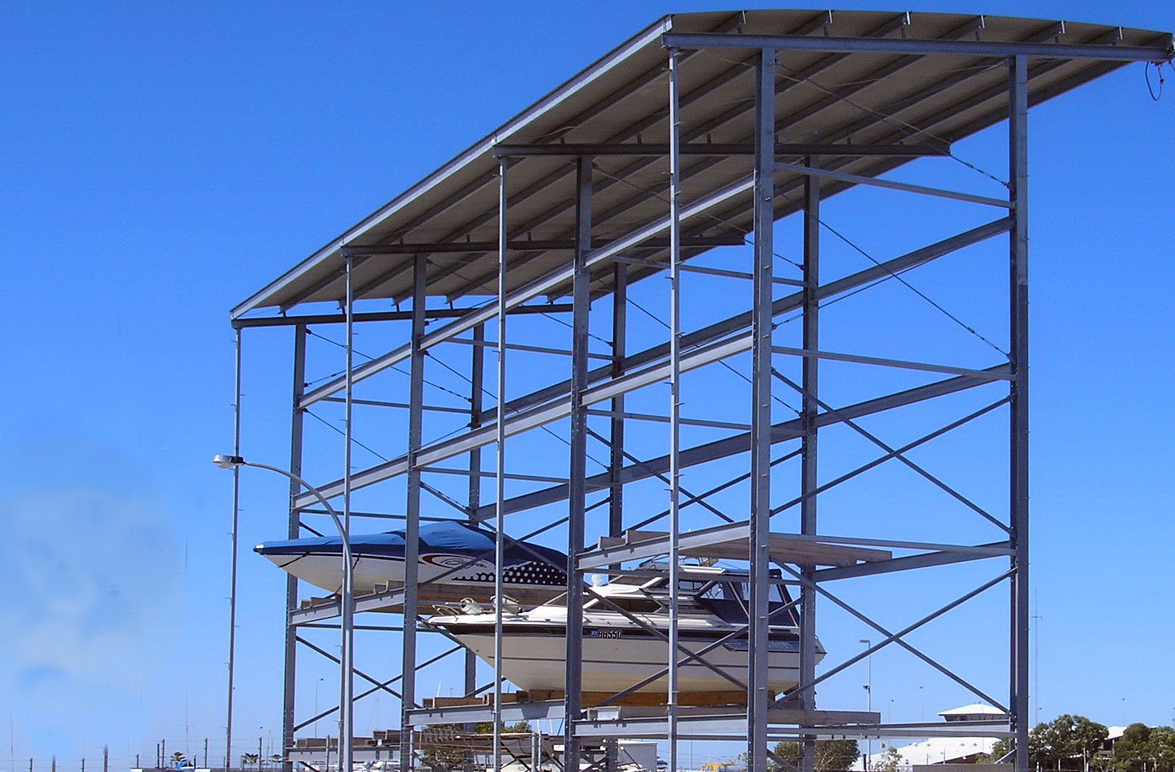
(476, 398)
(1018, 299)
(347, 596)
(577, 501)
(616, 438)
(412, 511)
(293, 531)
(809, 482)
(233, 535)
(674, 396)
(761, 325)
(500, 479)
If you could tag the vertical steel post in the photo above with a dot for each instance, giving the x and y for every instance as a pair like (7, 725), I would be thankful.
(1018, 329)
(412, 519)
(808, 448)
(476, 392)
(347, 596)
(616, 438)
(234, 536)
(293, 531)
(500, 477)
(577, 502)
(761, 324)
(674, 393)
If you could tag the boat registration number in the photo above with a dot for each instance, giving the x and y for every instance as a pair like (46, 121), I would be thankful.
(607, 634)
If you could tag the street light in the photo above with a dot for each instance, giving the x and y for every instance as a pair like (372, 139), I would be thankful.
(868, 697)
(346, 608)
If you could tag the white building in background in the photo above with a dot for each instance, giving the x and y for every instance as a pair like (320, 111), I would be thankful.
(943, 750)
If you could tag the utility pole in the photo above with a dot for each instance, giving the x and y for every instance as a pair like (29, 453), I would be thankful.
(105, 758)
(205, 752)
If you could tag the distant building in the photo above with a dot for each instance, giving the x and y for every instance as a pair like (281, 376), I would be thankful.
(943, 750)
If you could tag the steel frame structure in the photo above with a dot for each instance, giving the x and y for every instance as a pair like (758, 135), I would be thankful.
(809, 559)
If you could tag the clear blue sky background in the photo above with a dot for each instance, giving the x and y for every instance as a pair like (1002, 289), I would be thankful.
(159, 163)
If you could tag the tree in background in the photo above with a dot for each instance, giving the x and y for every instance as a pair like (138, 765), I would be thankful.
(998, 751)
(890, 760)
(1066, 742)
(1162, 748)
(831, 755)
(1145, 749)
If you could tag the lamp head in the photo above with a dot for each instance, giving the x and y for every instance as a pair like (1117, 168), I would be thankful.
(227, 462)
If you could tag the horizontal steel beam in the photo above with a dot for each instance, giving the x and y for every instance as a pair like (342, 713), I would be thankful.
(918, 47)
(858, 179)
(727, 724)
(539, 287)
(899, 363)
(512, 712)
(329, 608)
(400, 405)
(523, 347)
(386, 316)
(521, 245)
(737, 275)
(508, 475)
(738, 427)
(741, 443)
(698, 148)
(908, 563)
(720, 540)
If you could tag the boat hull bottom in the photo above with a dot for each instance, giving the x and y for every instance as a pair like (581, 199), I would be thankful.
(611, 665)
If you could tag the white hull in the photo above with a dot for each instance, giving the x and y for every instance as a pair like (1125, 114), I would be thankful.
(374, 574)
(613, 665)
(617, 655)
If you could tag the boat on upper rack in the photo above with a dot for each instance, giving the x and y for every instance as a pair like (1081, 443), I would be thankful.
(624, 633)
(455, 561)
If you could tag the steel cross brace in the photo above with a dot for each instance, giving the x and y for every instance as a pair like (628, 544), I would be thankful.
(897, 637)
(378, 686)
(896, 454)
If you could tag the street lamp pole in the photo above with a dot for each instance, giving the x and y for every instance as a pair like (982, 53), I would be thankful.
(868, 698)
(346, 607)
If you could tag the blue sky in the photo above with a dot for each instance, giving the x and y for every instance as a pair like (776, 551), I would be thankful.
(159, 163)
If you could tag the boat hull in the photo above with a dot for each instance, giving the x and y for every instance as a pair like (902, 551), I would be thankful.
(455, 560)
(437, 582)
(616, 659)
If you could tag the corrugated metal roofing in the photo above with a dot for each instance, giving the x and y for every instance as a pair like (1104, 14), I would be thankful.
(858, 98)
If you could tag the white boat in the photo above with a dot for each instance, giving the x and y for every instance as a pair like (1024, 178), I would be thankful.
(618, 652)
(455, 560)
